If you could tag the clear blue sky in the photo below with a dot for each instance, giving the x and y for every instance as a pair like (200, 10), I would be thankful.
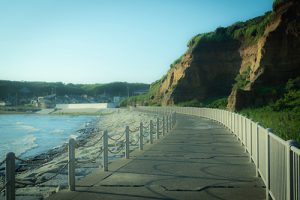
(100, 41)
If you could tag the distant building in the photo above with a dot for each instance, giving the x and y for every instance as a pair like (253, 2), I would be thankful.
(116, 99)
(3, 103)
(46, 101)
(34, 103)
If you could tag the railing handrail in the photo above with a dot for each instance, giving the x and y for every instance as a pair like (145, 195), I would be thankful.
(296, 150)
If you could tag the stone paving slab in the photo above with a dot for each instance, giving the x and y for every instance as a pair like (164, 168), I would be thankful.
(199, 159)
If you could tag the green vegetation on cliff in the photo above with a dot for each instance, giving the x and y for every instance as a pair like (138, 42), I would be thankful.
(177, 61)
(246, 32)
(217, 102)
(283, 116)
(242, 79)
(277, 3)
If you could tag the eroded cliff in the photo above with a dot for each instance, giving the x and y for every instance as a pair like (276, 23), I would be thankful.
(271, 61)
(247, 61)
(199, 75)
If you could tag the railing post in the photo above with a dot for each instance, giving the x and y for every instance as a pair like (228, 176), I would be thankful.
(232, 122)
(250, 134)
(227, 119)
(268, 164)
(169, 115)
(167, 120)
(10, 176)
(257, 150)
(176, 117)
(142, 135)
(236, 125)
(71, 166)
(127, 144)
(151, 132)
(245, 134)
(241, 129)
(222, 117)
(289, 169)
(171, 121)
(157, 128)
(163, 128)
(105, 151)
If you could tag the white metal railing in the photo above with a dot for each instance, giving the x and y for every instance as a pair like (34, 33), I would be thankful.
(122, 144)
(277, 161)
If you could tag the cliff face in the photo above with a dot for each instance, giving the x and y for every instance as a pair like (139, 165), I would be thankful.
(273, 60)
(253, 56)
(199, 75)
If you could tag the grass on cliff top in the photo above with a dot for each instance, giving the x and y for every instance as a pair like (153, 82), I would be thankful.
(177, 61)
(247, 32)
(277, 2)
(283, 116)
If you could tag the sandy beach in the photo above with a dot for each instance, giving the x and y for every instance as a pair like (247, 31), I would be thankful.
(88, 147)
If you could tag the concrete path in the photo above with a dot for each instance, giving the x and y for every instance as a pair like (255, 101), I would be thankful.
(199, 159)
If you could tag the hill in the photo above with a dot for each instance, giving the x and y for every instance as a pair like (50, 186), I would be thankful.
(12, 91)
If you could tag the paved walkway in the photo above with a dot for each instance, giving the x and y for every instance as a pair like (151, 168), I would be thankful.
(199, 159)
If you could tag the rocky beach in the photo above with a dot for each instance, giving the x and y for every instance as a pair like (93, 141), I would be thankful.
(44, 174)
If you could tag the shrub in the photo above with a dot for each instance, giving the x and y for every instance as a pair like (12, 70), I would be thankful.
(277, 2)
(219, 103)
(145, 99)
(242, 79)
(293, 84)
(284, 115)
(191, 103)
(252, 29)
(285, 124)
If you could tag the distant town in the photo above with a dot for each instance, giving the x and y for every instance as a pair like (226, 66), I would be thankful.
(29, 95)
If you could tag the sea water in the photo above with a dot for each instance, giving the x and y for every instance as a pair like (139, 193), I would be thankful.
(29, 135)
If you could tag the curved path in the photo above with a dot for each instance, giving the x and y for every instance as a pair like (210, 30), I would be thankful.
(198, 159)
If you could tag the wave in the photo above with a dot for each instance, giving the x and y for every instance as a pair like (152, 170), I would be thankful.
(58, 131)
(22, 125)
(30, 136)
(23, 145)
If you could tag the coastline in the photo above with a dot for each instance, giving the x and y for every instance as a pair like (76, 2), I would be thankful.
(18, 110)
(55, 158)
(52, 111)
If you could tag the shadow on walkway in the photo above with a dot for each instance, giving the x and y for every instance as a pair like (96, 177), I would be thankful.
(198, 159)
